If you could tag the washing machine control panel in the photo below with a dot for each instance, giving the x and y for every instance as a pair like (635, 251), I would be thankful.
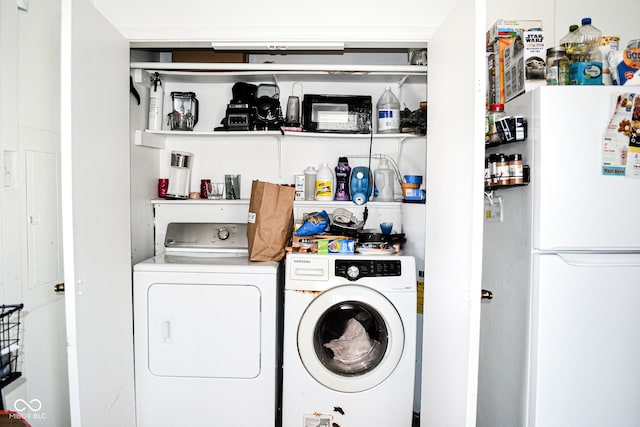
(352, 269)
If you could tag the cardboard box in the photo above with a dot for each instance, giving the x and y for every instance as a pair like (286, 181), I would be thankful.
(337, 246)
(513, 62)
(507, 28)
(324, 243)
(208, 55)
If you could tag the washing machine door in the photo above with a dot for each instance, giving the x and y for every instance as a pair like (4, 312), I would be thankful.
(350, 338)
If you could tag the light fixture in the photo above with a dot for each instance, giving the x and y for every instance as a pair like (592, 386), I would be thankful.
(278, 46)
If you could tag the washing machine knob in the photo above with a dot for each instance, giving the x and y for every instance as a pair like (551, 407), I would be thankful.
(353, 272)
(223, 234)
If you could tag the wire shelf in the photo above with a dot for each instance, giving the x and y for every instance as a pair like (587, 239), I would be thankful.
(9, 343)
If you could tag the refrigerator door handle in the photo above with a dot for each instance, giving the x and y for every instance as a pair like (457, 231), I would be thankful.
(601, 259)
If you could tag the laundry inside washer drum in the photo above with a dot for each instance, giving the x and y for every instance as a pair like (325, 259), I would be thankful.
(354, 349)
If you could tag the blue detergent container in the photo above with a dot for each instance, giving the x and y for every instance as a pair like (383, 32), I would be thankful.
(360, 185)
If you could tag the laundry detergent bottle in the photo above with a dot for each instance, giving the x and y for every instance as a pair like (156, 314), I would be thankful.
(343, 170)
(324, 183)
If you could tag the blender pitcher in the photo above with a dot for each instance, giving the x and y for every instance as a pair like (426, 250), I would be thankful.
(185, 111)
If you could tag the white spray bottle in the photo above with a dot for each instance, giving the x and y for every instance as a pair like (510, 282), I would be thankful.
(156, 99)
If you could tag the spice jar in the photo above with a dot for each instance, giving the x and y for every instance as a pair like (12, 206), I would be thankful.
(558, 67)
(487, 172)
(493, 173)
(502, 169)
(516, 173)
(496, 112)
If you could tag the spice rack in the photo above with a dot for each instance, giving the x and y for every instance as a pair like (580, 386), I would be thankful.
(506, 170)
(506, 139)
(526, 174)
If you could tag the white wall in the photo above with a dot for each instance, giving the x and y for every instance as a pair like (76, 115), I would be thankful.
(31, 264)
(330, 20)
(617, 19)
(10, 290)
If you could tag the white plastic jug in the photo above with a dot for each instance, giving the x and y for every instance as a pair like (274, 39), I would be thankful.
(324, 183)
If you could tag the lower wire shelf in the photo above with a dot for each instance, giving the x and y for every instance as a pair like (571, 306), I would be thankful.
(9, 345)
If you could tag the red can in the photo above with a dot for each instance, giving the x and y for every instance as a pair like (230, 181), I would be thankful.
(163, 185)
(205, 184)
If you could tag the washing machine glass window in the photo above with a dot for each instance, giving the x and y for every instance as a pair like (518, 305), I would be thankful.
(351, 338)
(338, 314)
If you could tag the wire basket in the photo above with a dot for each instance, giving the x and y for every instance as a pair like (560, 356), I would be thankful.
(9, 343)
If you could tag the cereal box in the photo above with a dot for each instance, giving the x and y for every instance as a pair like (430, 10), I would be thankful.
(506, 28)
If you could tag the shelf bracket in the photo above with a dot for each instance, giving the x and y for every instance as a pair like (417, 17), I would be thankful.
(146, 139)
(137, 75)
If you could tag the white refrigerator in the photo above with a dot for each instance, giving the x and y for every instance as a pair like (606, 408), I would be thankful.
(560, 340)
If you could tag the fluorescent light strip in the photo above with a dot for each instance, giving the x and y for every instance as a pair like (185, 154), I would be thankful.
(270, 46)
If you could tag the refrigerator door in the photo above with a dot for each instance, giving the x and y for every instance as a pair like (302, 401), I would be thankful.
(575, 206)
(585, 340)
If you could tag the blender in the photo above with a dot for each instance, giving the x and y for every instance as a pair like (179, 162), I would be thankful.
(185, 111)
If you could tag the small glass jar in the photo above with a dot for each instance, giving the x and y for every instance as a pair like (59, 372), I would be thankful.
(516, 173)
(558, 67)
(502, 169)
(496, 112)
(493, 171)
(487, 172)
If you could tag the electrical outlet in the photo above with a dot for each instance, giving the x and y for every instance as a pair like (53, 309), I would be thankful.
(493, 209)
(23, 4)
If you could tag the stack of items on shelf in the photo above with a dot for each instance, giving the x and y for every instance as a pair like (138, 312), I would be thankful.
(586, 57)
(515, 57)
(341, 232)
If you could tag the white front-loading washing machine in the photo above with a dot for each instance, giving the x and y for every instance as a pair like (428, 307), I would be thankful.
(206, 331)
(349, 340)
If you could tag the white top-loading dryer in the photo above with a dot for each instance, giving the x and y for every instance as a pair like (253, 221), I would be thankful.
(206, 328)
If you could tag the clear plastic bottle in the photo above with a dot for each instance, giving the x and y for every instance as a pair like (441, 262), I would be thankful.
(388, 108)
(586, 68)
(310, 174)
(383, 182)
(343, 171)
(324, 183)
(569, 41)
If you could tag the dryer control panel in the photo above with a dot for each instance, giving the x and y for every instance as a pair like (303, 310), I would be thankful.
(353, 269)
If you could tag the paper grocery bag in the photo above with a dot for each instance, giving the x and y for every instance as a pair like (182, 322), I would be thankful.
(270, 221)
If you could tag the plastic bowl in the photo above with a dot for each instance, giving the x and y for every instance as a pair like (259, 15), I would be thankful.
(413, 179)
